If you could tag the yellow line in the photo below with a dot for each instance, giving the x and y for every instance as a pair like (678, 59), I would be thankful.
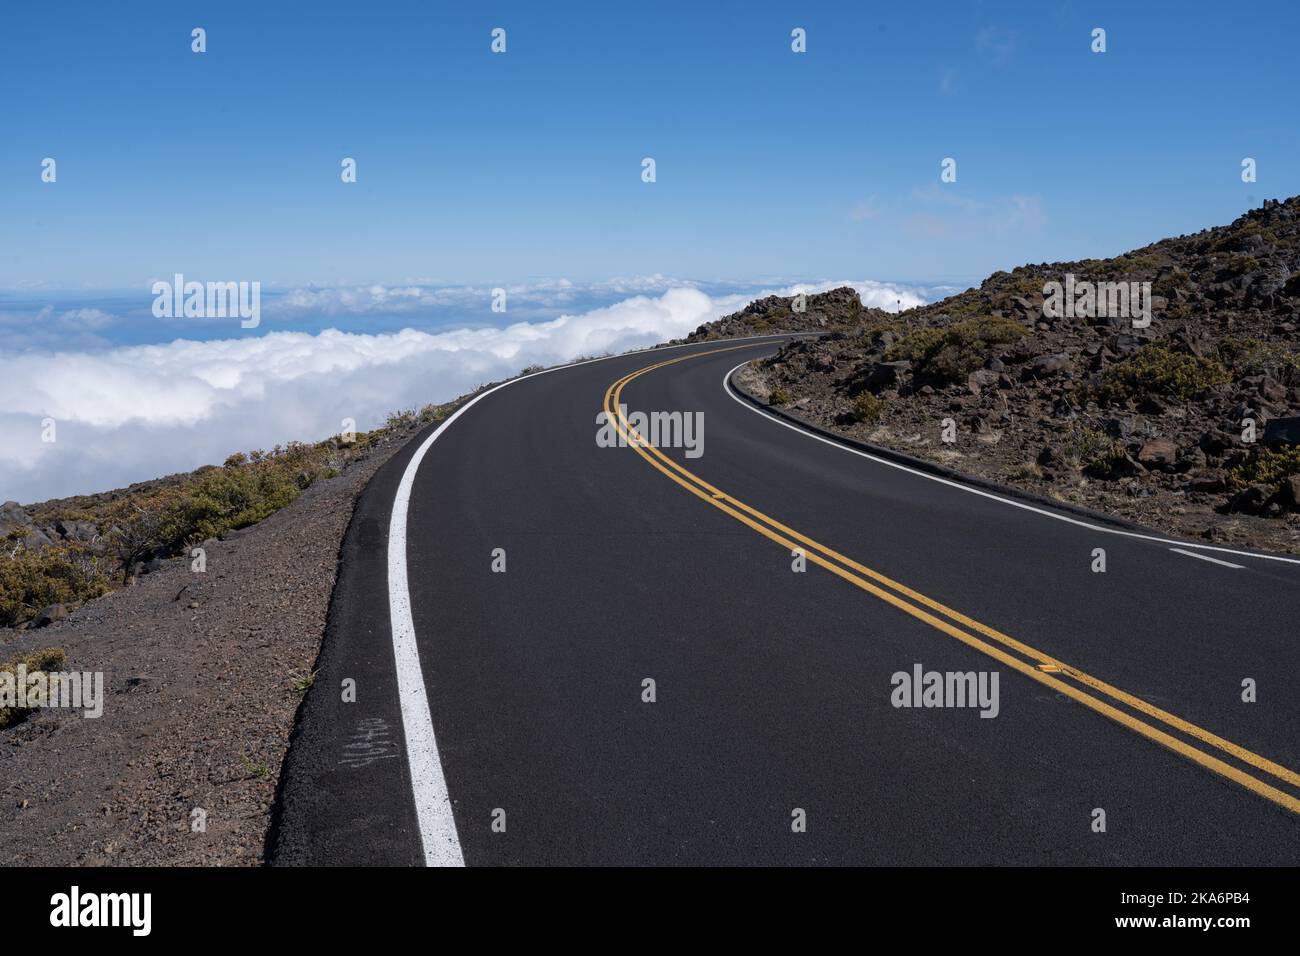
(1137, 703)
(817, 553)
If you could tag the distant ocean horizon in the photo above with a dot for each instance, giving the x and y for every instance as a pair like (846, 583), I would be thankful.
(91, 320)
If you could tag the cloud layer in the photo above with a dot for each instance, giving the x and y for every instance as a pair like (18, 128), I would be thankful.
(131, 413)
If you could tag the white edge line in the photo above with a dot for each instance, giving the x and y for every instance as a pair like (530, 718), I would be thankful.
(1206, 557)
(438, 837)
(726, 387)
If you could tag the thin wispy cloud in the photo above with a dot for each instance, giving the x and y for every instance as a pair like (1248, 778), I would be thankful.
(864, 210)
(940, 212)
(996, 44)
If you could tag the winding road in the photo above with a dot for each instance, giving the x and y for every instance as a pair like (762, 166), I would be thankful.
(501, 717)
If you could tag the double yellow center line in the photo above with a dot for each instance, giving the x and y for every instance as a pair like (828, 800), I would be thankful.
(1033, 663)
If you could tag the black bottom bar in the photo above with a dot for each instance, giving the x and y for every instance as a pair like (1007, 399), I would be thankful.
(334, 906)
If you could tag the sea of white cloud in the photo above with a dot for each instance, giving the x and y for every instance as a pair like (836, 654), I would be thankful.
(129, 413)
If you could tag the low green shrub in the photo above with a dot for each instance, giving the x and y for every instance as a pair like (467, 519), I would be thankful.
(1248, 356)
(44, 660)
(1266, 468)
(1157, 370)
(868, 408)
(31, 580)
(950, 354)
(1095, 452)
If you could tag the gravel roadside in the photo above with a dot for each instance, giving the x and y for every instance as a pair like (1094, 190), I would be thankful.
(203, 674)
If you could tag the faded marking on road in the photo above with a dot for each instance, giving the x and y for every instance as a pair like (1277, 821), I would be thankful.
(371, 741)
(1206, 557)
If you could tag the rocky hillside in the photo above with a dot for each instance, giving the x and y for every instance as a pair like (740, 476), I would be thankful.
(1169, 408)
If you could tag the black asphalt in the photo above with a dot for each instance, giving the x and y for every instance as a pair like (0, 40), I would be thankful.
(773, 687)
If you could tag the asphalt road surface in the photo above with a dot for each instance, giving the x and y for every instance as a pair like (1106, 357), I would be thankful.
(504, 720)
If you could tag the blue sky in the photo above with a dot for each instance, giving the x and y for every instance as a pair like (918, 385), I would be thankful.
(481, 168)
(775, 171)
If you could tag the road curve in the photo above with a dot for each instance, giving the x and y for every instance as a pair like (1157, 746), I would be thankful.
(774, 690)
